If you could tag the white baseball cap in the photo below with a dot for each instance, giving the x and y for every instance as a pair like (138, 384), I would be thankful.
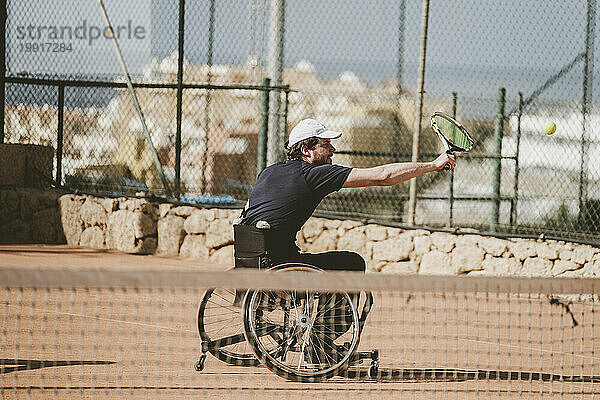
(308, 128)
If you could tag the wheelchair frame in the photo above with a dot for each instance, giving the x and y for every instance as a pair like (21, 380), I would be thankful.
(292, 333)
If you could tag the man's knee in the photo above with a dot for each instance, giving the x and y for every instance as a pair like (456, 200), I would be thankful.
(354, 261)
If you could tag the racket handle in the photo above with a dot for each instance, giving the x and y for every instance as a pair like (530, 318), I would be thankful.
(450, 153)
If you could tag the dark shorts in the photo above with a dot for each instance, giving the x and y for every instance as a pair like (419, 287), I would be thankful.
(329, 261)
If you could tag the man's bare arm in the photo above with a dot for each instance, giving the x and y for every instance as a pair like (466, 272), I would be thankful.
(393, 174)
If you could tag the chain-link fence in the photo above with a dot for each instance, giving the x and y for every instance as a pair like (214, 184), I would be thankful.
(503, 68)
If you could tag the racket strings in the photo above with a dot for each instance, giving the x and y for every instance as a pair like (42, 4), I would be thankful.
(453, 133)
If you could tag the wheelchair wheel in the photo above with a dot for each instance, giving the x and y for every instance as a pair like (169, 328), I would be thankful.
(219, 316)
(303, 335)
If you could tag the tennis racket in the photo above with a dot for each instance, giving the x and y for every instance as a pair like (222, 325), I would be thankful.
(453, 135)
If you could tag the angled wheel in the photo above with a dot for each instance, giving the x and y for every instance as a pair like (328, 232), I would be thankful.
(302, 335)
(221, 329)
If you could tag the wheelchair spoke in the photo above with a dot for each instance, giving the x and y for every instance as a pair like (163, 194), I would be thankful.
(221, 329)
(223, 306)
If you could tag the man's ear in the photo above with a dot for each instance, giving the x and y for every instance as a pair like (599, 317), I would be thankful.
(305, 151)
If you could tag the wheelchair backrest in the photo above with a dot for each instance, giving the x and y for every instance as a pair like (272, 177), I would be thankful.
(250, 247)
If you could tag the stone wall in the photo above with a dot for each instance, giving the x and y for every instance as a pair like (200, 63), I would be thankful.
(30, 216)
(25, 165)
(141, 226)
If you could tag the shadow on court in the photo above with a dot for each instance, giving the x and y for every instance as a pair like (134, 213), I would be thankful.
(51, 250)
(8, 365)
(457, 375)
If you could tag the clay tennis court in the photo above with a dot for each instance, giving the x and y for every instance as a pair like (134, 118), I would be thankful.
(142, 343)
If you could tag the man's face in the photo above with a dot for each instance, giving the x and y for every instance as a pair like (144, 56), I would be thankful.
(321, 154)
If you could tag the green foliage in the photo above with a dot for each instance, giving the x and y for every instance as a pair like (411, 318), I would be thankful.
(564, 221)
(560, 219)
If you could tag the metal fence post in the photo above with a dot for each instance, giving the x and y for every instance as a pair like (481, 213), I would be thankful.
(3, 18)
(401, 33)
(59, 134)
(498, 131)
(179, 99)
(285, 120)
(264, 127)
(515, 199)
(209, 62)
(412, 202)
(588, 75)
(451, 174)
(275, 70)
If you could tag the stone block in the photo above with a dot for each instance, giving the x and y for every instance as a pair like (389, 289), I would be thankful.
(92, 237)
(537, 266)
(376, 232)
(562, 266)
(170, 235)
(194, 247)
(442, 241)
(120, 233)
(436, 262)
(401, 267)
(196, 223)
(584, 254)
(312, 228)
(46, 227)
(223, 255)
(70, 217)
(326, 241)
(131, 232)
(522, 250)
(466, 258)
(141, 205)
(16, 231)
(219, 233)
(493, 246)
(25, 165)
(109, 204)
(544, 250)
(93, 213)
(501, 266)
(354, 240)
(332, 224)
(143, 224)
(348, 224)
(29, 203)
(181, 211)
(9, 206)
(392, 249)
(422, 245)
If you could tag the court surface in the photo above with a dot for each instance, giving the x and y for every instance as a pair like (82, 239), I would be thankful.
(102, 343)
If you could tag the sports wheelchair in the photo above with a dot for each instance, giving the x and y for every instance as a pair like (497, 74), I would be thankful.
(300, 335)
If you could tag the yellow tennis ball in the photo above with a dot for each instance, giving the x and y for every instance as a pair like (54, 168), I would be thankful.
(549, 128)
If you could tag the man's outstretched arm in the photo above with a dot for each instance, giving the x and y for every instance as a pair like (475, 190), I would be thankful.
(393, 174)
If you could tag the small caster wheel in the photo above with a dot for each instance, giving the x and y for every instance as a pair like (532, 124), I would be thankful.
(375, 355)
(373, 370)
(199, 366)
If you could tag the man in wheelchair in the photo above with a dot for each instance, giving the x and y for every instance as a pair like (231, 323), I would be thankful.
(285, 196)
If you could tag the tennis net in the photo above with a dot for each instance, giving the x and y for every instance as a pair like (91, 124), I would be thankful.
(82, 333)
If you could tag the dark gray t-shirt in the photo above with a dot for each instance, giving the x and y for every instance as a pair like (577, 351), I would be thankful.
(287, 193)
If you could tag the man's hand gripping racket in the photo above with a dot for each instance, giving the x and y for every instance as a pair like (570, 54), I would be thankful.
(453, 135)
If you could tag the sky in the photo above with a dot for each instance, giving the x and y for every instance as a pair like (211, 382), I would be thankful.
(474, 46)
